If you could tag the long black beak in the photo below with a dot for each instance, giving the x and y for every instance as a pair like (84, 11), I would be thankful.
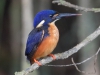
(60, 15)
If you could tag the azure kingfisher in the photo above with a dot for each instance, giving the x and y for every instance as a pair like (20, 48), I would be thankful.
(43, 39)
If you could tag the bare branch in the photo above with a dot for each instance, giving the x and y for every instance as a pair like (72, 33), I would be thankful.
(68, 4)
(63, 55)
(95, 55)
(84, 71)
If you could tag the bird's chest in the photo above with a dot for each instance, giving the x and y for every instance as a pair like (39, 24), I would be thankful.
(52, 39)
(53, 32)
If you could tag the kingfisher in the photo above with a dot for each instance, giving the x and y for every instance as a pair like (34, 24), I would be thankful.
(44, 36)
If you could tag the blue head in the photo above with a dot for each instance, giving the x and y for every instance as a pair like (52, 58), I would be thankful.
(49, 16)
(44, 15)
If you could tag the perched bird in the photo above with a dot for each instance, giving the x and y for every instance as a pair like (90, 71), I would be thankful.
(43, 39)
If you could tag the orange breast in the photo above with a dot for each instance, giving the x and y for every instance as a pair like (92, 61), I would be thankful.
(48, 44)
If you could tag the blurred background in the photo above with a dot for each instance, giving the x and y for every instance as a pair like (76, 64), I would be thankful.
(16, 20)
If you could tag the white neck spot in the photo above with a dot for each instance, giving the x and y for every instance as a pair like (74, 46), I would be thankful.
(40, 24)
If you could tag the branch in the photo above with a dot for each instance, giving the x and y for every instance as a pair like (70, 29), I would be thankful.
(63, 55)
(95, 55)
(68, 4)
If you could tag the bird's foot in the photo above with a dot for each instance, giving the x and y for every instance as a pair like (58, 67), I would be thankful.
(52, 56)
(37, 62)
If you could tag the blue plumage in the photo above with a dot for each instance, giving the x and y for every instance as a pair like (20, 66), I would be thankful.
(43, 15)
(34, 39)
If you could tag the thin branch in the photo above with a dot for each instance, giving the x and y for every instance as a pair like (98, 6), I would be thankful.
(85, 71)
(68, 4)
(63, 55)
(95, 55)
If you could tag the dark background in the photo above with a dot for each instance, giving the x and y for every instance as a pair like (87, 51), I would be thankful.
(16, 18)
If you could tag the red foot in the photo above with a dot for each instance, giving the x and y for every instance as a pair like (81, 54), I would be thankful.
(52, 56)
(37, 62)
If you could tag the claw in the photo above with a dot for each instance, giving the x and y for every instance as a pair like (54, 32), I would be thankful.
(37, 62)
(52, 56)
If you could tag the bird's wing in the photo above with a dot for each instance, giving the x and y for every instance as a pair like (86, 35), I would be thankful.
(33, 41)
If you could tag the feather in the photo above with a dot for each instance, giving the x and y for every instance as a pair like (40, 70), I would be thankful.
(34, 39)
(40, 24)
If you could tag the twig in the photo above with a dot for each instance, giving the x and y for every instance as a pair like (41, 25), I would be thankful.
(75, 64)
(68, 4)
(84, 71)
(63, 55)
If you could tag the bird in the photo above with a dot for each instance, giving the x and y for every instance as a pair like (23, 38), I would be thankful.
(44, 36)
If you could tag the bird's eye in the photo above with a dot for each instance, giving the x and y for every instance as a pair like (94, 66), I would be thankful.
(51, 15)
